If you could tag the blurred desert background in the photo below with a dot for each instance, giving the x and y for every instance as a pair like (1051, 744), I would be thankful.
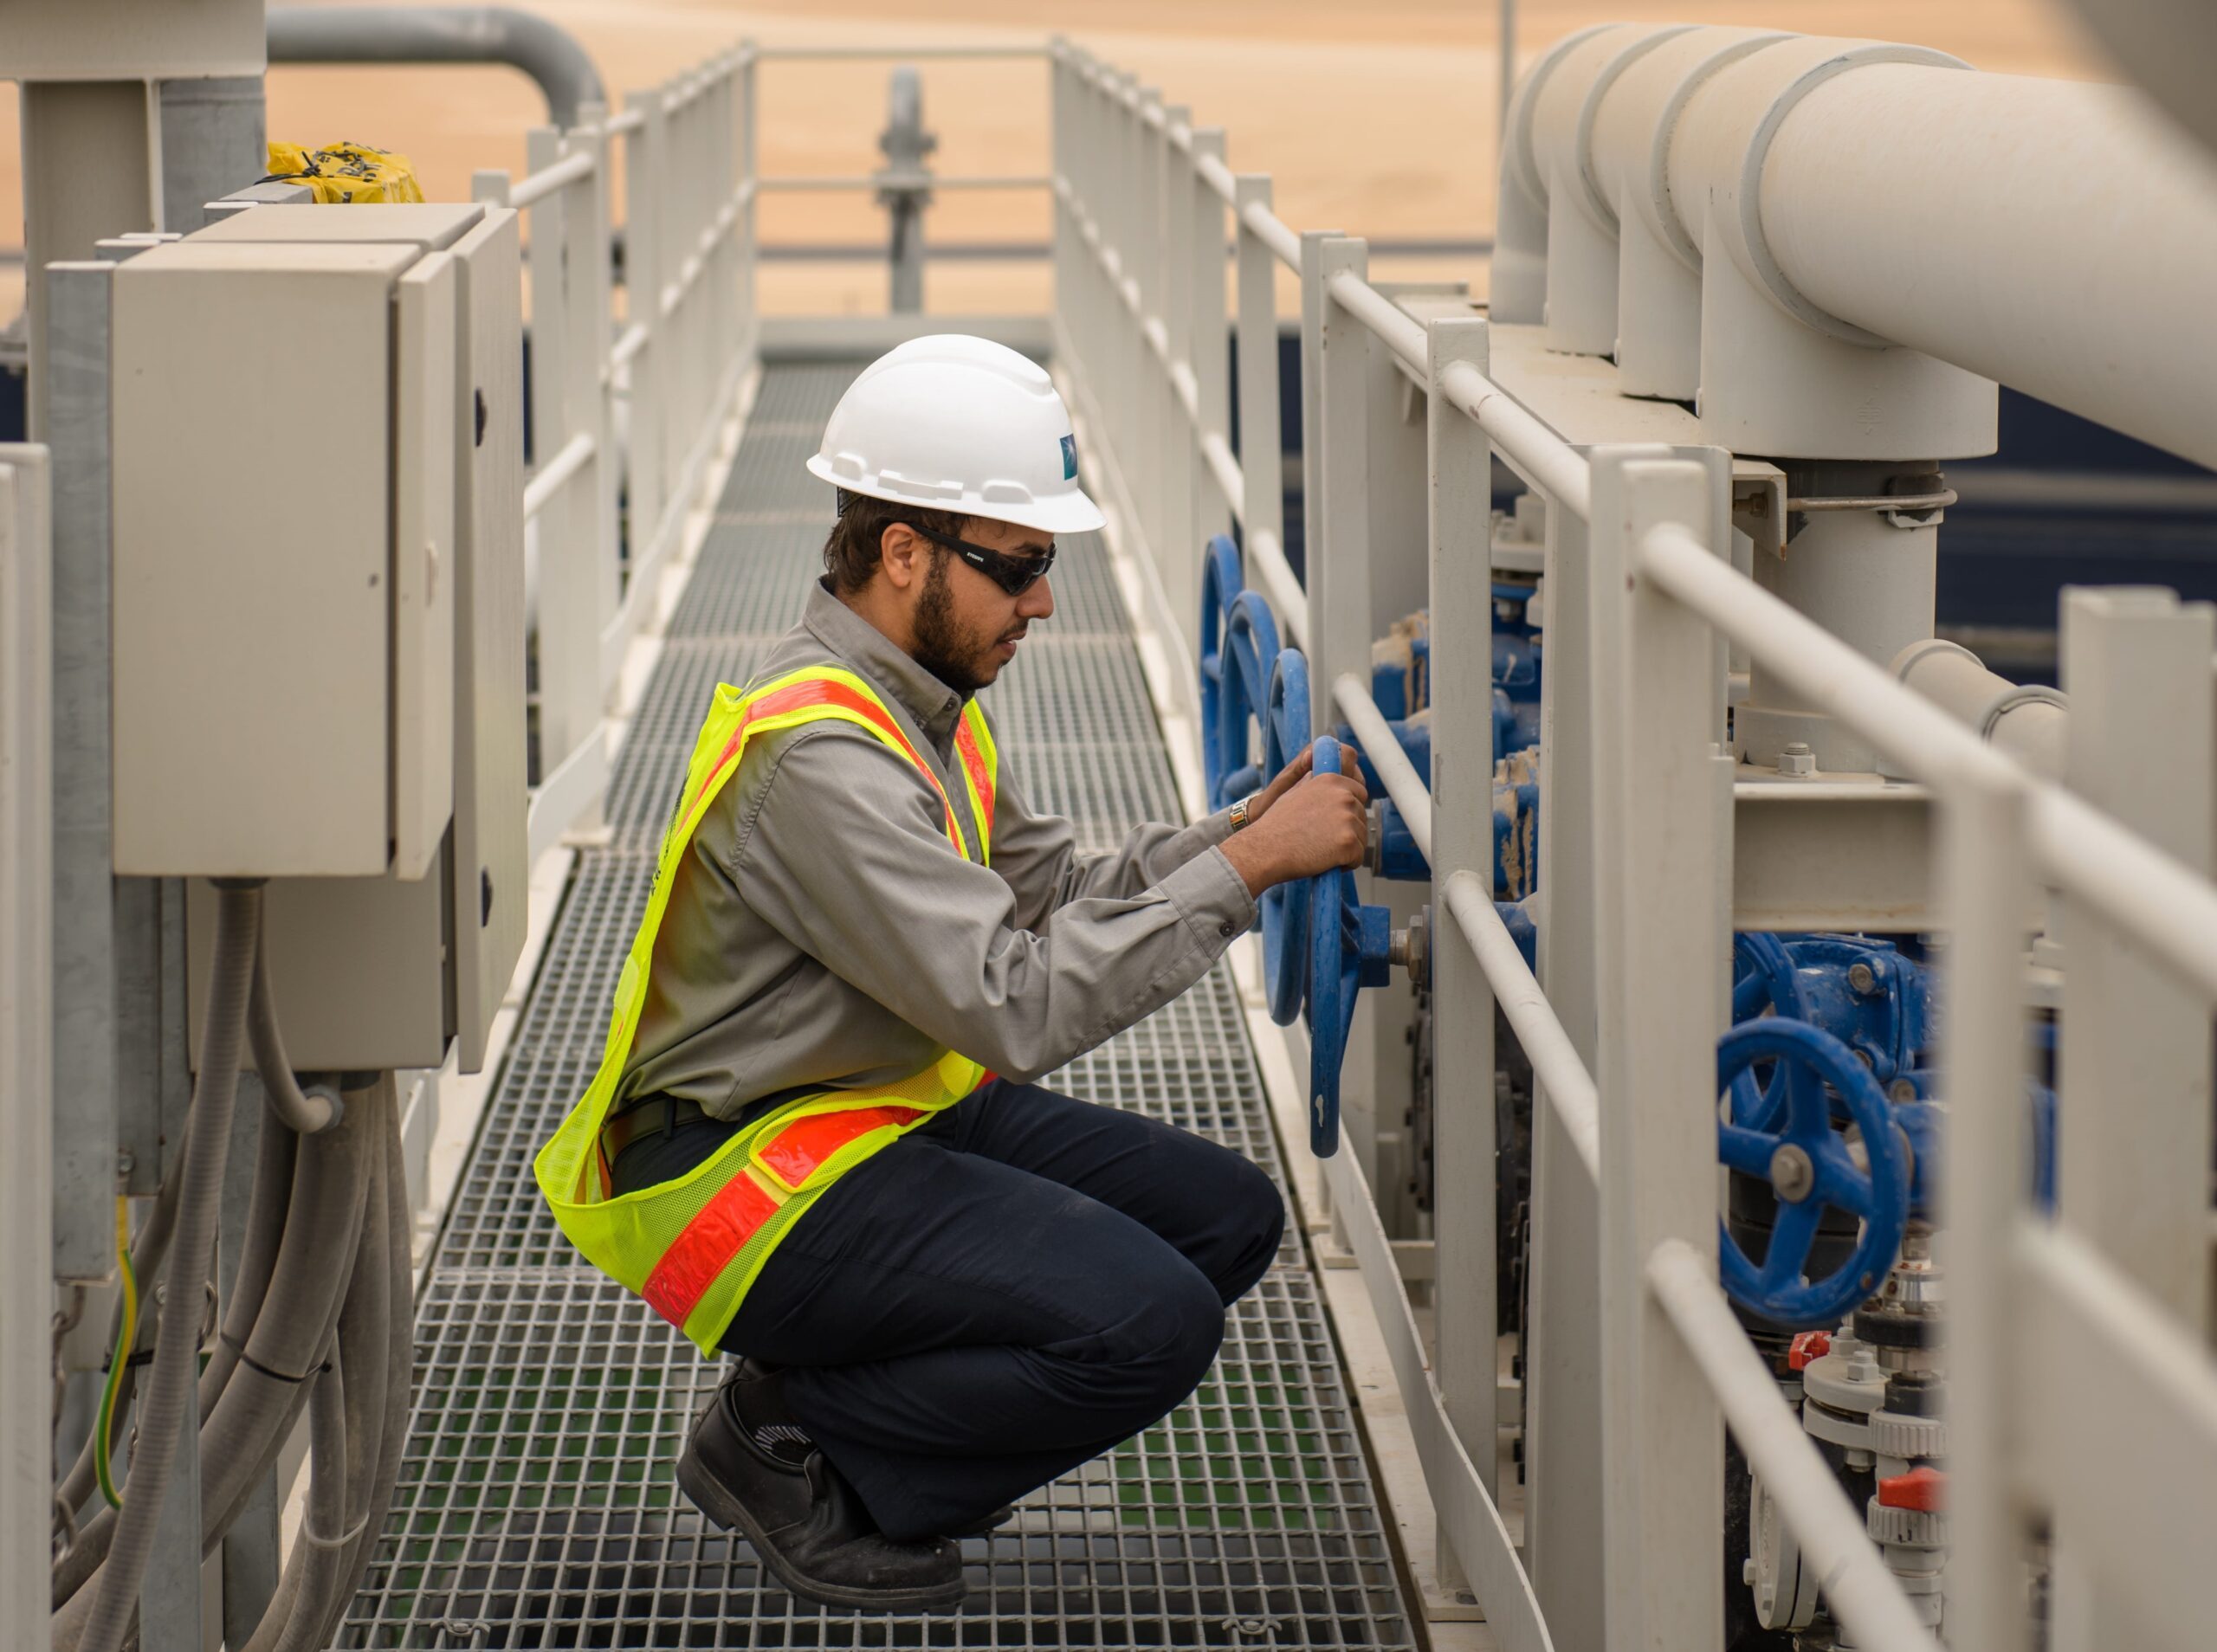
(1376, 119)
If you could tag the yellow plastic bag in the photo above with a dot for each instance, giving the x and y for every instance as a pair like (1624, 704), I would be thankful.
(345, 173)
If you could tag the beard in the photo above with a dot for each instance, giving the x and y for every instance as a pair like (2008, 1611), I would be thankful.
(961, 658)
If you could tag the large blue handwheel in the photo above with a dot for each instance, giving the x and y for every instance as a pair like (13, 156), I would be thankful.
(1285, 905)
(1350, 947)
(1769, 985)
(1220, 587)
(1808, 1167)
(1250, 651)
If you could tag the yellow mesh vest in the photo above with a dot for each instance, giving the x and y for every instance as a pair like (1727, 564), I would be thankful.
(692, 1246)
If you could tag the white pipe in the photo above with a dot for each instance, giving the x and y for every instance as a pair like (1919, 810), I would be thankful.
(1549, 463)
(538, 185)
(1556, 1068)
(2027, 720)
(2054, 236)
(1278, 584)
(557, 470)
(1562, 1076)
(1410, 795)
(1859, 1587)
(2166, 905)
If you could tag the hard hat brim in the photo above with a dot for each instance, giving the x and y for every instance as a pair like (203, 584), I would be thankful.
(1066, 513)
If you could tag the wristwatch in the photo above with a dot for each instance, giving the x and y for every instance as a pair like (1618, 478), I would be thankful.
(1239, 813)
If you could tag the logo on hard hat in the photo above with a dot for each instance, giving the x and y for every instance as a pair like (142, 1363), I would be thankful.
(1070, 458)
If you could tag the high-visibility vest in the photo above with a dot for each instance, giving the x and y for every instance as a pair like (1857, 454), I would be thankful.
(691, 1247)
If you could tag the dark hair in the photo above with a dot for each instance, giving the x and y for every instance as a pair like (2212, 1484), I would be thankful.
(858, 541)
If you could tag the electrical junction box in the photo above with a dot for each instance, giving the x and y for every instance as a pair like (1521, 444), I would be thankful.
(380, 972)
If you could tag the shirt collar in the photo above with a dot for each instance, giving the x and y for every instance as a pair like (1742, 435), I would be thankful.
(934, 705)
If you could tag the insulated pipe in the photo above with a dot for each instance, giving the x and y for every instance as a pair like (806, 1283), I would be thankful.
(2027, 720)
(1518, 284)
(1656, 327)
(549, 55)
(1581, 296)
(2057, 236)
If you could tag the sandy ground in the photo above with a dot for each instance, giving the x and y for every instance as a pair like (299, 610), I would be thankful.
(1377, 119)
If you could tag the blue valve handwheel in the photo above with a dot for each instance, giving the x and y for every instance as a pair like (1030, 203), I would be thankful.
(1349, 948)
(1285, 905)
(1220, 586)
(1769, 985)
(1251, 650)
(1809, 1167)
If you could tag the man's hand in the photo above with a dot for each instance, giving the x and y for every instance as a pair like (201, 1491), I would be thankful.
(1317, 821)
(1259, 805)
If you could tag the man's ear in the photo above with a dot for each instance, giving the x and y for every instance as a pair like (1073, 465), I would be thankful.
(901, 553)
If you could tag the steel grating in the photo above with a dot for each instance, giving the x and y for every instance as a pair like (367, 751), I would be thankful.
(536, 1507)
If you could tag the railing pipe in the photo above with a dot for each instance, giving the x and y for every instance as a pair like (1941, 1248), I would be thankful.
(534, 187)
(1858, 1588)
(2161, 903)
(1403, 783)
(1560, 1075)
(1551, 464)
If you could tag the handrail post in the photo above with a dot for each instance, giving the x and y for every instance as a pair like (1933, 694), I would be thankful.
(647, 457)
(1664, 929)
(750, 177)
(2131, 1027)
(1985, 866)
(1209, 344)
(1342, 618)
(588, 284)
(1262, 441)
(568, 674)
(1176, 436)
(1460, 463)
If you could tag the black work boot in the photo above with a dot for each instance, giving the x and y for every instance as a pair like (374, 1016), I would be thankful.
(804, 1520)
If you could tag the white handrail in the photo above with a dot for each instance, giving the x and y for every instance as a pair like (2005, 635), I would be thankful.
(1556, 1069)
(2167, 907)
(1562, 1075)
(804, 182)
(537, 186)
(548, 479)
(1857, 1585)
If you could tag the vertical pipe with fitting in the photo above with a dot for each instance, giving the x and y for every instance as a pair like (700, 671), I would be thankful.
(1866, 570)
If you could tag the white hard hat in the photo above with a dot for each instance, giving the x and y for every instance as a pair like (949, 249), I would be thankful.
(951, 423)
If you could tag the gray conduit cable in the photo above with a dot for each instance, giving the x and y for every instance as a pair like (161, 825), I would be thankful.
(268, 1204)
(400, 1345)
(169, 1407)
(328, 1539)
(75, 1488)
(255, 1414)
(323, 1231)
(306, 1112)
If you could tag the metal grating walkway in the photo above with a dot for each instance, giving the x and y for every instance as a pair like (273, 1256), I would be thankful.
(536, 1506)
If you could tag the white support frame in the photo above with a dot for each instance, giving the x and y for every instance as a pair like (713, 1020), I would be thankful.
(625, 421)
(1626, 1409)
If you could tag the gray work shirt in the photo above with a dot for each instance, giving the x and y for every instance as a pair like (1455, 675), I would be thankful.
(822, 932)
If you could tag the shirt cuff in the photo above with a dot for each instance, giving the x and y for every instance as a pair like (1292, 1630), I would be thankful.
(1212, 899)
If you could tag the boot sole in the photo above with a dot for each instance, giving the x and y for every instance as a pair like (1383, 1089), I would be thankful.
(727, 1511)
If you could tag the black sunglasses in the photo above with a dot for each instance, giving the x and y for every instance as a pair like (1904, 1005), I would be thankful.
(1014, 575)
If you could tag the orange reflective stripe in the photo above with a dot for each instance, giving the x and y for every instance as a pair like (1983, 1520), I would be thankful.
(708, 1243)
(796, 1152)
(800, 697)
(981, 776)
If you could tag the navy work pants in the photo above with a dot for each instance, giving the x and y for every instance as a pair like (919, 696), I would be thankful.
(1006, 1292)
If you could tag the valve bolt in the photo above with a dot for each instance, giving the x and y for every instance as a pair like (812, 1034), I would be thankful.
(1793, 1177)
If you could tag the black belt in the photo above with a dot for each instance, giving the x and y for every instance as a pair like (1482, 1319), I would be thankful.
(646, 1116)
